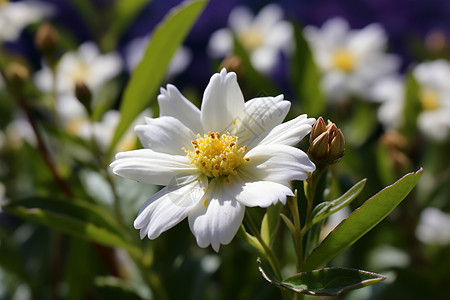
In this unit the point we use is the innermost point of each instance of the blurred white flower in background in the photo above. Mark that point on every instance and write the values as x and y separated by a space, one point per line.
350 60
390 92
434 94
264 36
434 227
15 16
134 52
89 66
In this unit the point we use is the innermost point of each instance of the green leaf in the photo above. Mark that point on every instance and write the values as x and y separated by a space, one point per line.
270 223
330 281
412 106
325 282
306 77
327 208
77 218
146 79
124 12
369 214
10 259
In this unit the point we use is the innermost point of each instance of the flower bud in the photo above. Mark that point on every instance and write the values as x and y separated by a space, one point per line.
16 75
84 95
327 144
47 41
232 63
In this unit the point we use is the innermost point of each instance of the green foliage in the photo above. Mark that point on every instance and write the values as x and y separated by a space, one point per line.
306 77
362 220
76 218
327 208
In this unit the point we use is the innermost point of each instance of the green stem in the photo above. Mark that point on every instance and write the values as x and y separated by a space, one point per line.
298 237
267 251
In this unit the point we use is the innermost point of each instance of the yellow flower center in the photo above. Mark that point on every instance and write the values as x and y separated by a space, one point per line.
251 38
343 60
217 155
429 100
79 72
75 125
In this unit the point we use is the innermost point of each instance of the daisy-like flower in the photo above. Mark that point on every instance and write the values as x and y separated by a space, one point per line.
434 94
215 161
86 65
14 16
264 36
350 61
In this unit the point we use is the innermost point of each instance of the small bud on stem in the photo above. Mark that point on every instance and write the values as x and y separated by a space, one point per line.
327 144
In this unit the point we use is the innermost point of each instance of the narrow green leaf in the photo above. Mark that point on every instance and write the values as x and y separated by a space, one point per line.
243 234
330 281
146 79
123 13
270 222
78 218
306 77
327 208
412 106
369 214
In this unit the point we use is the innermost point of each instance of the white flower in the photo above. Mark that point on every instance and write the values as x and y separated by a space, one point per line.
215 161
135 50
87 65
434 81
350 60
390 91
434 227
14 16
263 36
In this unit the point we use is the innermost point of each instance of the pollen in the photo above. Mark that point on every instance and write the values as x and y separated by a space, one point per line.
343 60
217 154
429 100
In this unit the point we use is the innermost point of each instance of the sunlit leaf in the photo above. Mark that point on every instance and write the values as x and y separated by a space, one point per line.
369 214
146 79
327 208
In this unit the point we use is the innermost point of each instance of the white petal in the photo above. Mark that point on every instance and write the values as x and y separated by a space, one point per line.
216 218
223 103
252 192
240 19
152 167
172 103
165 134
268 17
264 59
335 85
289 133
221 43
168 207
278 163
261 116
